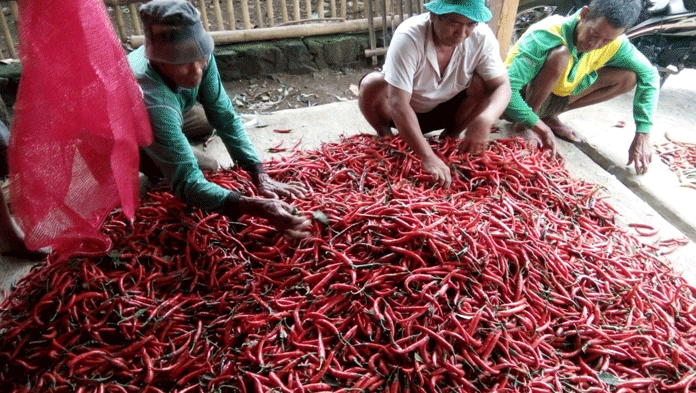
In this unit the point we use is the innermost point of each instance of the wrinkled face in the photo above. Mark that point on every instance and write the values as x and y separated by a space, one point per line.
451 29
187 75
594 34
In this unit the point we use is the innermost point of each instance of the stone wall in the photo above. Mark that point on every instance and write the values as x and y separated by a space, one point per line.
293 56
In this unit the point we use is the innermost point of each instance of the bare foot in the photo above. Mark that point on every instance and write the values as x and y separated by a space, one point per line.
561 130
528 135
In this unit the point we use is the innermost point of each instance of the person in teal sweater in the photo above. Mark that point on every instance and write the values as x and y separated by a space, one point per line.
176 69
563 63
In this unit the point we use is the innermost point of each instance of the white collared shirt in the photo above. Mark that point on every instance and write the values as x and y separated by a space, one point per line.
411 62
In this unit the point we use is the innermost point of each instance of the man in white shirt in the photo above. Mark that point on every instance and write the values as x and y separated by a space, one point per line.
442 70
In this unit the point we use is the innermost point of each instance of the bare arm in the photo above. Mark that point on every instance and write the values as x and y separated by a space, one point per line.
407 124
498 89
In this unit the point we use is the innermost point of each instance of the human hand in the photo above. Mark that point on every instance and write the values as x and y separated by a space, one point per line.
548 140
438 170
476 136
640 153
279 214
275 189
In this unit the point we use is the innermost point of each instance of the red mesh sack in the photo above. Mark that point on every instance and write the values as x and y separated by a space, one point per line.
79 118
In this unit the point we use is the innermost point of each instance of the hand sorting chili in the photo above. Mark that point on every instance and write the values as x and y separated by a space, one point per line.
515 279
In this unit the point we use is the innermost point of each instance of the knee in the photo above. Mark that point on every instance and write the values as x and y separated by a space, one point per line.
371 86
628 80
557 60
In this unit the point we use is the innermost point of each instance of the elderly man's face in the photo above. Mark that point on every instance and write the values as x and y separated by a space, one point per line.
594 34
187 75
451 29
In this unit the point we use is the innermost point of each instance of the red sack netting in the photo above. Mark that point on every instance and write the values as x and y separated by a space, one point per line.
79 119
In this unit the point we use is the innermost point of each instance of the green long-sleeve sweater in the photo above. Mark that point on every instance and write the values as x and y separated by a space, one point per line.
171 150
526 58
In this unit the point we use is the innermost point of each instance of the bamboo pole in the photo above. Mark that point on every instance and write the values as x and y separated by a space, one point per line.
15 10
384 23
8 37
313 20
401 9
115 2
119 22
136 19
344 9
308 8
230 15
333 8
284 11
296 9
271 14
356 7
282 32
371 27
259 13
204 15
246 21
15 14
218 15
320 9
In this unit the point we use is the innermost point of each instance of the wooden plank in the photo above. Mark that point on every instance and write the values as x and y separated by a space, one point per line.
503 22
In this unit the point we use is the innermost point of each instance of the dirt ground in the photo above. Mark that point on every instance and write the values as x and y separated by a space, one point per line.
284 91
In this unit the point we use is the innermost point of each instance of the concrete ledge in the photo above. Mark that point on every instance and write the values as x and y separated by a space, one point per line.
607 145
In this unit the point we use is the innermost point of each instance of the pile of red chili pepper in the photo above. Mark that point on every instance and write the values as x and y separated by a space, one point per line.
681 159
516 279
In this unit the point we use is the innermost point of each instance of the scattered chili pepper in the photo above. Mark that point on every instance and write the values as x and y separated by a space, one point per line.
516 279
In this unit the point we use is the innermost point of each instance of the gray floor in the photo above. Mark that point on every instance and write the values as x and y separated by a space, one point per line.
655 198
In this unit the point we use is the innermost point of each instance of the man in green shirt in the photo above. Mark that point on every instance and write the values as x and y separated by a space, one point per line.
561 64
176 69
